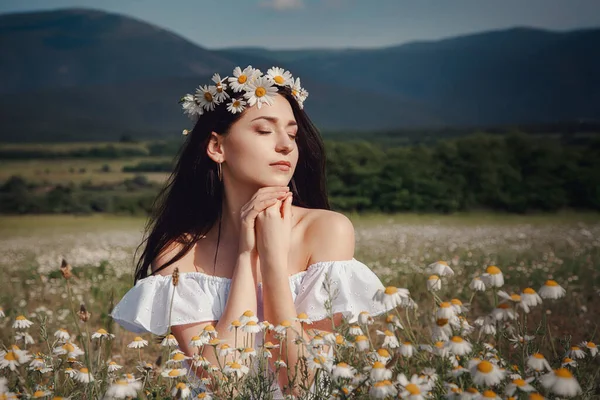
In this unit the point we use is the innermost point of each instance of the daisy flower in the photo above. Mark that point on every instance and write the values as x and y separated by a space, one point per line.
393 322
181 391
364 318
485 373
9 360
260 91
205 96
209 331
459 346
440 268
283 327
486 324
280 364
504 312
37 363
177 356
458 306
493 276
378 372
471 394
113 366
240 79
70 349
575 352
591 346
233 368
434 283
551 290
251 327
538 362
489 395
21 323
477 284
191 107
25 337
248 315
522 385
197 341
169 340
38 394
382 355
530 297
302 317
236 105
2 315
84 376
247 353
382 389
458 371
415 389
407 349
390 340
568 362
391 296
440 349
138 343
122 389
361 342
279 76
355 330
220 87
102 334
445 311
536 396
561 382
343 371
62 335
199 361
173 373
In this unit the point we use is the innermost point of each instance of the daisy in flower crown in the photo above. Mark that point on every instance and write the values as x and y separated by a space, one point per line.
243 226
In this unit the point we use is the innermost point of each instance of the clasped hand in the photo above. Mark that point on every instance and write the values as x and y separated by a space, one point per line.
267 226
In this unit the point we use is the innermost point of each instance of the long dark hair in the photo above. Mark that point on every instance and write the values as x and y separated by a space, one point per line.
190 203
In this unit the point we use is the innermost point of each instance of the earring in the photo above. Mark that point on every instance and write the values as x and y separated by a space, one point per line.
219 172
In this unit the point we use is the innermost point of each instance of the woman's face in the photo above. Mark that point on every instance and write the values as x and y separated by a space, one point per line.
259 140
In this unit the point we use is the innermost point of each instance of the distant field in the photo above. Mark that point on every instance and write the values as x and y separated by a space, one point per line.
76 170
58 147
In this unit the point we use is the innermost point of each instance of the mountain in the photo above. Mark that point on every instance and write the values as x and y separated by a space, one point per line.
90 75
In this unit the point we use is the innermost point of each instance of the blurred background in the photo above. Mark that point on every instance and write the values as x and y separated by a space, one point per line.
462 130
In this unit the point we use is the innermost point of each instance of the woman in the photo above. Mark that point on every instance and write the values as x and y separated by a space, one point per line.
246 220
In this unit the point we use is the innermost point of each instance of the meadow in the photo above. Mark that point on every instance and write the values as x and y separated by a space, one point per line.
529 250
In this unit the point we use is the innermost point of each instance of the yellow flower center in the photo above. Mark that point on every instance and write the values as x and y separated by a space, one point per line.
413 389
472 390
383 353
279 79
529 291
260 91
138 339
493 270
445 304
575 348
489 394
591 345
551 283
209 328
434 278
248 350
441 322
339 339
519 382
302 316
457 339
378 365
443 263
68 347
485 367
563 373
248 313
180 385
439 345
20 318
342 365
391 290
195 338
219 88
174 372
319 360
236 104
286 324
251 322
504 306
539 356
456 302
360 338
10 356
515 297
39 393
208 96
388 333
407 343
102 331
536 396
178 357
294 92
242 79
112 363
83 370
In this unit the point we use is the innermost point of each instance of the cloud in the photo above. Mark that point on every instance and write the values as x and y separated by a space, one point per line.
282 5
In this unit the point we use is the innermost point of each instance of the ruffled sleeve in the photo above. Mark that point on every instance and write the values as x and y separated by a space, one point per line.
145 307
355 283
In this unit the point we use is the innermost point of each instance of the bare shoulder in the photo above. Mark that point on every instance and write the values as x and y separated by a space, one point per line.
185 263
329 235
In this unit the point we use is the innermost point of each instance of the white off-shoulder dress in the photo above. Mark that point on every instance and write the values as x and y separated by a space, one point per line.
200 297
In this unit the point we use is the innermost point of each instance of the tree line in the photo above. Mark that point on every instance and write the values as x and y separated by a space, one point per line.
514 172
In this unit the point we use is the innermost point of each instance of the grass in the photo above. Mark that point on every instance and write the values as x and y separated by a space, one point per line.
528 249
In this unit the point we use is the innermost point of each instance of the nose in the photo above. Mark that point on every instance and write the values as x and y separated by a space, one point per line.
284 143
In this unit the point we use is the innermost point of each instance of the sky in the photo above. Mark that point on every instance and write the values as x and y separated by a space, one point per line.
294 24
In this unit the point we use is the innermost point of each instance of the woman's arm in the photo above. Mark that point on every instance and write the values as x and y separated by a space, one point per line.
330 237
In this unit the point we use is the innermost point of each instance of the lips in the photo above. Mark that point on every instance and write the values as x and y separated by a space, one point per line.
286 163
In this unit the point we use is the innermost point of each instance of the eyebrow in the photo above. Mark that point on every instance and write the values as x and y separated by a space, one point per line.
274 120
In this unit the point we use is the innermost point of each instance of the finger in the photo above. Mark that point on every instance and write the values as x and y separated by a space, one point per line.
287 207
263 197
249 215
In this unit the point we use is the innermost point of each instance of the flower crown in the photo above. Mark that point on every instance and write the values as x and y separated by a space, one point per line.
253 88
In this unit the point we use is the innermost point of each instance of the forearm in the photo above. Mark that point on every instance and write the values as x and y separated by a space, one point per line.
278 307
242 297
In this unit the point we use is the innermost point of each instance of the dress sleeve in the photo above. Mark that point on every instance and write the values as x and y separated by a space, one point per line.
354 282
147 306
